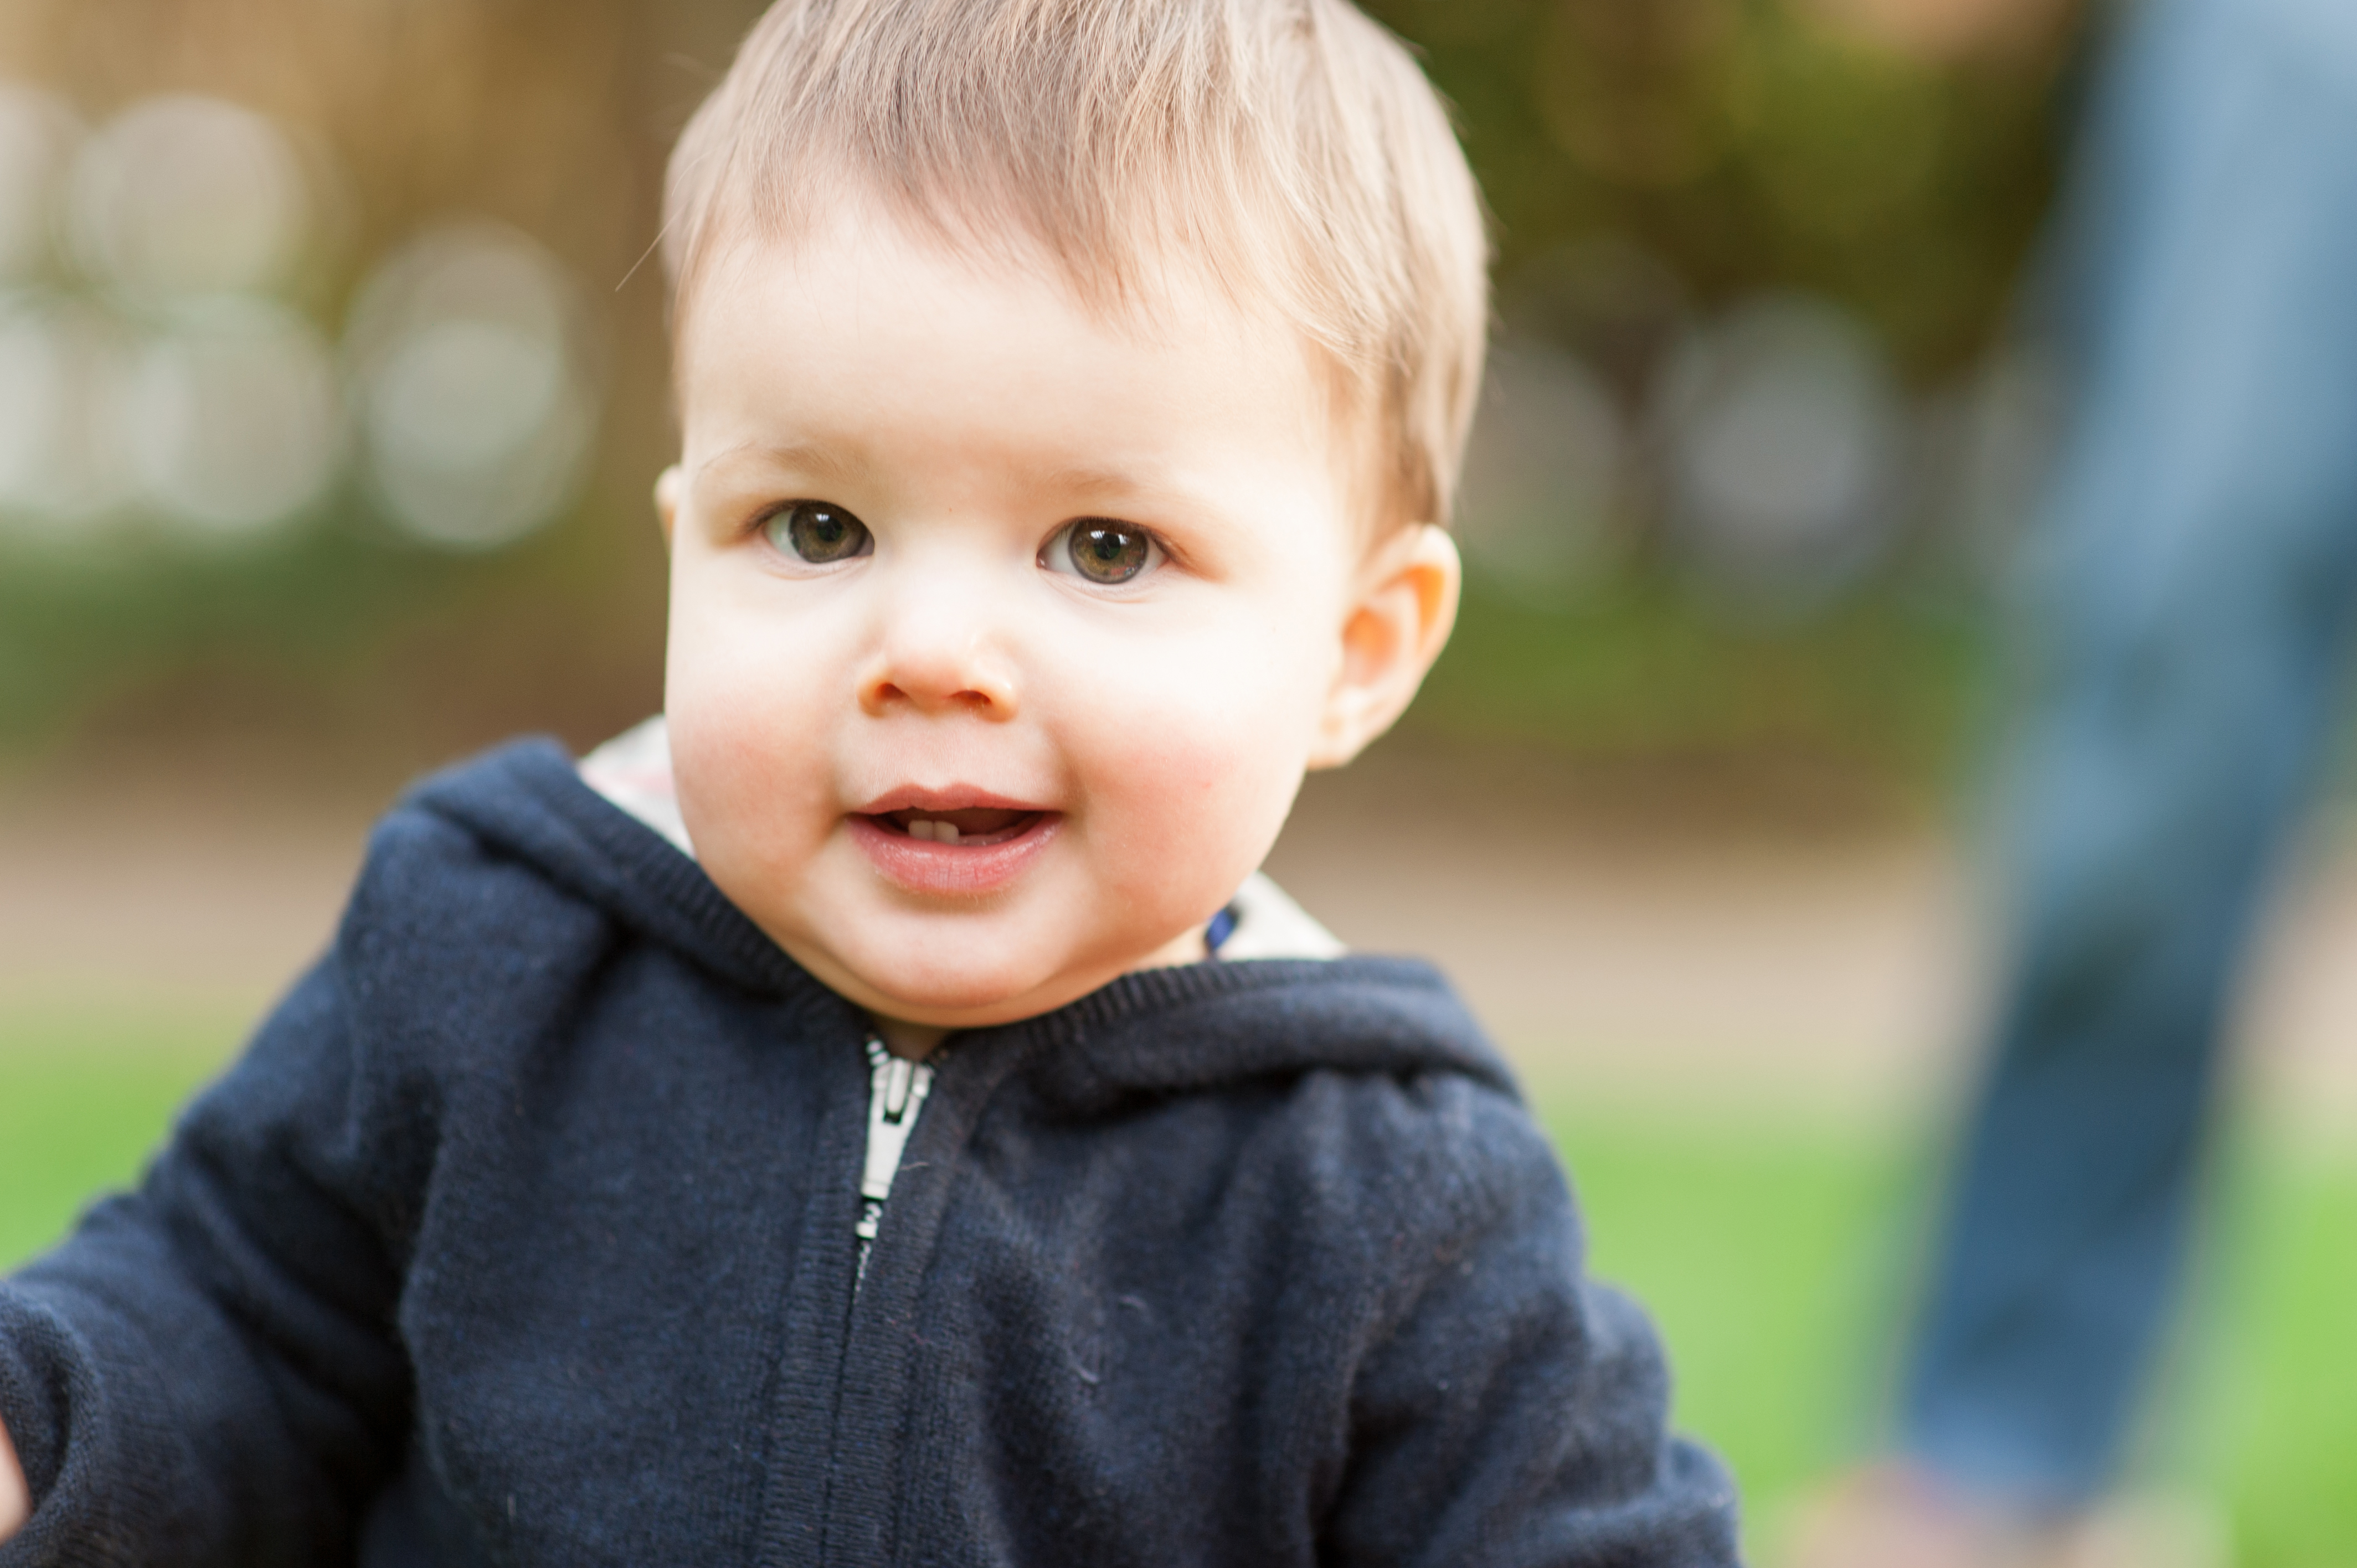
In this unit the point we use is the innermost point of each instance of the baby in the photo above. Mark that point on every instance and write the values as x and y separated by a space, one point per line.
858 1119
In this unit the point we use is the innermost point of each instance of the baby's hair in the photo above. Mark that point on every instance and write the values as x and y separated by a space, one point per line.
1290 150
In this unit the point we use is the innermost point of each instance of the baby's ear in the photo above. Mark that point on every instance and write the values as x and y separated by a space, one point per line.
669 487
1398 622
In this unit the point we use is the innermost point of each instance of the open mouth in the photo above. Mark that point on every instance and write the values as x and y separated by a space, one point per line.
936 850
975 828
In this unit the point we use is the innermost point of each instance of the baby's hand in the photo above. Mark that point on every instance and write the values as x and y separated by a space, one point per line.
16 1500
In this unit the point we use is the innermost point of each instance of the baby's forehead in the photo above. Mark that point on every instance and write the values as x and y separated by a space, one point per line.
1154 293
890 274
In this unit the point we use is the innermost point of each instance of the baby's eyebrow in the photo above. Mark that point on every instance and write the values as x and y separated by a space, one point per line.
822 460
1104 482
1087 476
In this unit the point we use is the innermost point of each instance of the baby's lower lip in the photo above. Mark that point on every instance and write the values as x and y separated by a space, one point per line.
969 868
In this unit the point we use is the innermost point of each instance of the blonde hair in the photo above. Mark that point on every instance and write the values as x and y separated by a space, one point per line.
1290 149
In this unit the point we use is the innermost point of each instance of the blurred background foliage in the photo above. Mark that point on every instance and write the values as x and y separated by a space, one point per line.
1754 439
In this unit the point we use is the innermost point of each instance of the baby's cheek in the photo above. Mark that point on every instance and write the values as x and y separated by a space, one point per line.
1204 787
751 783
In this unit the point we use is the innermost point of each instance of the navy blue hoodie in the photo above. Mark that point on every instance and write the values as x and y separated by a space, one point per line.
523 1234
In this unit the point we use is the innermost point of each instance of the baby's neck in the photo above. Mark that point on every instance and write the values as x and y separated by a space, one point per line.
914 1041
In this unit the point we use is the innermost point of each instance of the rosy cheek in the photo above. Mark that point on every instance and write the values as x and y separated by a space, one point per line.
1197 786
752 777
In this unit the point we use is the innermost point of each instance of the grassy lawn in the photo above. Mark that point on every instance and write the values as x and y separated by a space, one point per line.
84 1094
1767 1253
1771 1256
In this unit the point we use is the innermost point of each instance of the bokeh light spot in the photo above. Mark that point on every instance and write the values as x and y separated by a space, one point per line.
467 358
37 134
62 372
185 196
230 419
1543 472
1785 429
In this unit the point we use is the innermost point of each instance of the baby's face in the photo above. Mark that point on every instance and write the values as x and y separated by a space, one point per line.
1001 634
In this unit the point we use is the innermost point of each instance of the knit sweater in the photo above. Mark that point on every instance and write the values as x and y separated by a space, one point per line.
524 1233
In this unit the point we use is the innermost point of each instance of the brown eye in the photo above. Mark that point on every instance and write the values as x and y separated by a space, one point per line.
818 532
1105 552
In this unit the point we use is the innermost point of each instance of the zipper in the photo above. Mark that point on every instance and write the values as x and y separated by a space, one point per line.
896 1087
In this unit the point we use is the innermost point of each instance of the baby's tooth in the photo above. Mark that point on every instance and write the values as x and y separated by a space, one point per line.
920 829
947 833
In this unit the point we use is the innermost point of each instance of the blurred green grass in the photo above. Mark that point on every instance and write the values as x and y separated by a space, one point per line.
1766 1249
1772 1254
85 1093
1762 1251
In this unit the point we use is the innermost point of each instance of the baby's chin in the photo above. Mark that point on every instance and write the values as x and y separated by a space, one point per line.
949 984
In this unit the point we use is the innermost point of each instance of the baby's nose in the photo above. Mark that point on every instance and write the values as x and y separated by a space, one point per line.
940 652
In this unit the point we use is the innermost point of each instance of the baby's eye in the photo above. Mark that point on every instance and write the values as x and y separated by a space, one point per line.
1102 551
818 532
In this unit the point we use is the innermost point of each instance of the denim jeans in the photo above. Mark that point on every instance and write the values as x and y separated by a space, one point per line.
2189 588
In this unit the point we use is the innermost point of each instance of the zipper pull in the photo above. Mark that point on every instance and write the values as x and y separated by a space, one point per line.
896 1087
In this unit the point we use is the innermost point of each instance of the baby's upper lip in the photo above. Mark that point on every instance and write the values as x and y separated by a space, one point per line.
951 798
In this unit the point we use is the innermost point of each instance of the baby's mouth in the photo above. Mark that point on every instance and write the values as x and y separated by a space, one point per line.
928 847
975 828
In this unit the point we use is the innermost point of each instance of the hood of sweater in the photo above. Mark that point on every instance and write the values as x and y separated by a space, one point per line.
1151 1032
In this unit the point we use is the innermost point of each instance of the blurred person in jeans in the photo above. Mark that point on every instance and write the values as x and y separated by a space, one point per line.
2192 579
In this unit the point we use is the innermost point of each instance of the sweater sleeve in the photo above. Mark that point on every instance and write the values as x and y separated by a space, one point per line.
206 1372
1517 1411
